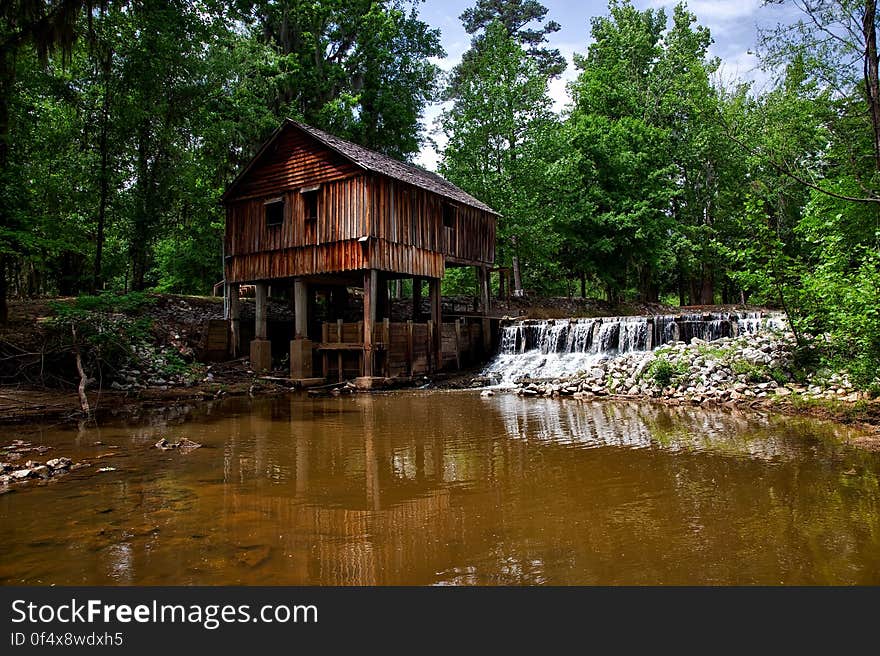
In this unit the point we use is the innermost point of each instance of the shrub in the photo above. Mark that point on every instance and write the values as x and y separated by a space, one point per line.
663 372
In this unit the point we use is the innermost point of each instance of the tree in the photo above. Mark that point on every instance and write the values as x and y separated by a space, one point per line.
360 68
618 213
496 128
836 43
515 16
44 26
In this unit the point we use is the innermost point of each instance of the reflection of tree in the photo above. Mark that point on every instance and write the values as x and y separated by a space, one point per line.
458 489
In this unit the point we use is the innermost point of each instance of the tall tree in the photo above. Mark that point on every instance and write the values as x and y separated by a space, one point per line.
495 128
516 16
358 68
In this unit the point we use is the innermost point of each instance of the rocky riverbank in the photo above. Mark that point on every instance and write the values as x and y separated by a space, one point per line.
758 369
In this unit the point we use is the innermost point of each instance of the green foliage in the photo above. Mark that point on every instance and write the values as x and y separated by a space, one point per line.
663 372
124 145
499 128
758 373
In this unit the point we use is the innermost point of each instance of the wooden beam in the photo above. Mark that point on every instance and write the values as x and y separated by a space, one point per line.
483 288
325 359
300 308
386 344
339 359
370 284
260 311
437 319
410 367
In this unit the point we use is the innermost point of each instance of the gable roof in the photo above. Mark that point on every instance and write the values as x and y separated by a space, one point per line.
370 160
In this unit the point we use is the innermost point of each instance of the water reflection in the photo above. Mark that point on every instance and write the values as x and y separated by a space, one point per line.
452 489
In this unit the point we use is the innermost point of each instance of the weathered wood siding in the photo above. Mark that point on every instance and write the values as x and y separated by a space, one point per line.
293 161
406 214
403 223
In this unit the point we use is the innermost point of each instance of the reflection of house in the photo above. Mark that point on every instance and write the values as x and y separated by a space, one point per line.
318 214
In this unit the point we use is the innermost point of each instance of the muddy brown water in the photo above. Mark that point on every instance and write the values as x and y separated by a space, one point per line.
448 488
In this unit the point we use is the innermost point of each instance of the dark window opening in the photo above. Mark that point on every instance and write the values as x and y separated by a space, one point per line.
310 204
448 215
274 212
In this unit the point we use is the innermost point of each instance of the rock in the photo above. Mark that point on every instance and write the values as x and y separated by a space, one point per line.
21 474
487 393
106 469
184 444
783 391
59 463
42 471
5 479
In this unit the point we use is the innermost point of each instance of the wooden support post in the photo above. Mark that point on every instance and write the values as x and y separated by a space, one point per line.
260 310
261 348
300 309
429 346
386 343
370 284
501 284
339 359
410 356
325 357
300 358
457 343
417 299
234 309
437 318
485 298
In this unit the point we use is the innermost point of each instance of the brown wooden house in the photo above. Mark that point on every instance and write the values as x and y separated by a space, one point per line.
316 213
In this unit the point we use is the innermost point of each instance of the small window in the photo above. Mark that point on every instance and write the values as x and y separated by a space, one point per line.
448 215
310 203
274 209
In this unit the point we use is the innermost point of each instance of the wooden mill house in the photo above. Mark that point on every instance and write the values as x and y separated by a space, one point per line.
315 215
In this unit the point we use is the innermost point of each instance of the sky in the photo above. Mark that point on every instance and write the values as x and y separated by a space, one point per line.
732 23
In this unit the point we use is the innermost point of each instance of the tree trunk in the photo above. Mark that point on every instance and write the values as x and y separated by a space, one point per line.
707 287
872 83
648 292
517 278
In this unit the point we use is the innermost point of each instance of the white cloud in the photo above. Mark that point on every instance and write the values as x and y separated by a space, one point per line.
714 11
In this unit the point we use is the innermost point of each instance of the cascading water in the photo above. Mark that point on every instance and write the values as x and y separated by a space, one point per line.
563 347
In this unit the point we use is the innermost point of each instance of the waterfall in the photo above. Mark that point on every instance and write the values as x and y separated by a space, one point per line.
562 347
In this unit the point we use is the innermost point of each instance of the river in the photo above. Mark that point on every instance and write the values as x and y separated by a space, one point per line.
448 488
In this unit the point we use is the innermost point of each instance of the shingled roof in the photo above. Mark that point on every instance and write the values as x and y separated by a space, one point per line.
370 160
